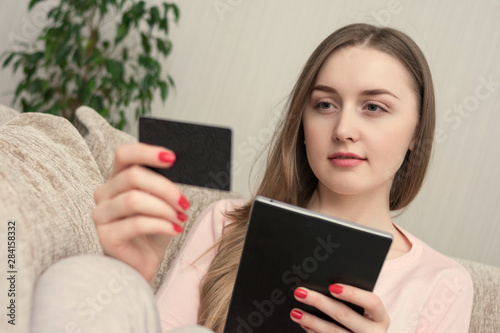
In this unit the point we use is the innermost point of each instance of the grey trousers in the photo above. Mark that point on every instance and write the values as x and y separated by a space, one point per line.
96 294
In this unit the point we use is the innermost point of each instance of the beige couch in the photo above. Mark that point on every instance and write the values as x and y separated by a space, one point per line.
49 171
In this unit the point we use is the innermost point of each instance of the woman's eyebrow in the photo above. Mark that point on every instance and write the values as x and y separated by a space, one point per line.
324 88
367 92
375 92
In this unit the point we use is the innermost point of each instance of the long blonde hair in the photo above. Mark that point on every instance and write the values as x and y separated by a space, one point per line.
288 176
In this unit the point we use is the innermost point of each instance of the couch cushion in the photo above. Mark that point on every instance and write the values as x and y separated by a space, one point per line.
47 180
7 114
102 139
486 308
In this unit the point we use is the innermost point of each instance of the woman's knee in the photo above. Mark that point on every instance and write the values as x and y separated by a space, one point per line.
87 290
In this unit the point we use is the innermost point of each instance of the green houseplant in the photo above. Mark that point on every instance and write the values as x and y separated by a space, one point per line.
102 53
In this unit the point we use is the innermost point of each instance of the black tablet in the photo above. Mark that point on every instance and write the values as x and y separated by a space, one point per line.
203 153
287 247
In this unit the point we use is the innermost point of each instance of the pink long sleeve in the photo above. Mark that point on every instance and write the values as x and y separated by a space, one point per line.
425 291
178 298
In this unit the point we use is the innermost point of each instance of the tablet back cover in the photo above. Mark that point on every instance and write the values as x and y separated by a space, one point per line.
287 247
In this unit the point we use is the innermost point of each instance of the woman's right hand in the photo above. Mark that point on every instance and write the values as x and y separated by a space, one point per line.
137 210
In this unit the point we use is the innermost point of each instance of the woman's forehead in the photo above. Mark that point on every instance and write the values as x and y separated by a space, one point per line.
364 68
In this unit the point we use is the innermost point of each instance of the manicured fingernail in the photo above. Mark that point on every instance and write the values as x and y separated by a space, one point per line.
300 293
183 202
297 314
166 157
178 229
335 288
181 216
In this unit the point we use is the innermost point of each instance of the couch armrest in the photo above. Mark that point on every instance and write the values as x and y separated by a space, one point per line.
486 308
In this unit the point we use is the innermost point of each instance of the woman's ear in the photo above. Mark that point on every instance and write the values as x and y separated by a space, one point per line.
412 144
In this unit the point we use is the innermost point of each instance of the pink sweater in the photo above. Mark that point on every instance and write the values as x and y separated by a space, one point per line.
423 291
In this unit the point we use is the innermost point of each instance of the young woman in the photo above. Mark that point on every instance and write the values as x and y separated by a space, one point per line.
355 143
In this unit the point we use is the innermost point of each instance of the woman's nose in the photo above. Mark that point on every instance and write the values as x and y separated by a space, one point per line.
346 126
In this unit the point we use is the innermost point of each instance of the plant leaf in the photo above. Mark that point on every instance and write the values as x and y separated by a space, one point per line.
145 43
154 15
171 81
162 47
121 32
62 54
33 3
96 103
137 11
163 25
79 82
19 89
37 56
115 68
103 7
163 90
35 86
176 11
150 81
148 63
125 54
8 60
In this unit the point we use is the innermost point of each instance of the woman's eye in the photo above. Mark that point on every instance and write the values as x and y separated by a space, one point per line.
374 108
324 105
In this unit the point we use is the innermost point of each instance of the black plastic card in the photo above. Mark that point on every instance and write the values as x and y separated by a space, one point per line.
203 153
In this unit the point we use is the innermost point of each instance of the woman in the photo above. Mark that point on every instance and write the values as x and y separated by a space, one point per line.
355 144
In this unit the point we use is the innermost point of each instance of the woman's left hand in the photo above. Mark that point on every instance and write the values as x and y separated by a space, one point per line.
374 320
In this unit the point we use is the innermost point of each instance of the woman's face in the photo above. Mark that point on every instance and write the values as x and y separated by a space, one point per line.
359 121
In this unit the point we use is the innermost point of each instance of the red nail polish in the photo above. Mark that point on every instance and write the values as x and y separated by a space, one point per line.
184 203
181 216
178 229
300 293
335 288
297 314
166 157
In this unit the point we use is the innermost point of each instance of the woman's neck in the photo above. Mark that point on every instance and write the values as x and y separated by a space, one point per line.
367 209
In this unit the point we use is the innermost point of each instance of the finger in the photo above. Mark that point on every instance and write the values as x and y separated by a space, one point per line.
374 308
143 179
337 310
120 233
307 329
311 323
133 203
143 154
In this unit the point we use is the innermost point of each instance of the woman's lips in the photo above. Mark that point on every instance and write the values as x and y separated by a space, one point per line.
346 159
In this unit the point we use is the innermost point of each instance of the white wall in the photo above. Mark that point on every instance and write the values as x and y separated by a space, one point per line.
235 61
